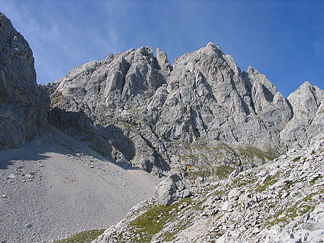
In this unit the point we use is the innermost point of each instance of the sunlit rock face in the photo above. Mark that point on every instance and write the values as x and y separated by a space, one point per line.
161 109
139 110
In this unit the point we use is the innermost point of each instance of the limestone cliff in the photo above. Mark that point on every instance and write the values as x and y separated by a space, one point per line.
163 111
23 104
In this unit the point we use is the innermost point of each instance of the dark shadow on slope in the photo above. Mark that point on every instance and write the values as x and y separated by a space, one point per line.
106 141
53 141
26 151
101 139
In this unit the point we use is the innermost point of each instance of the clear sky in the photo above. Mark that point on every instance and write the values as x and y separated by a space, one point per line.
283 39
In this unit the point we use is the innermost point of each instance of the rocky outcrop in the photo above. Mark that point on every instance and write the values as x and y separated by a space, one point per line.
209 98
115 93
202 119
23 104
307 103
163 110
282 201
171 189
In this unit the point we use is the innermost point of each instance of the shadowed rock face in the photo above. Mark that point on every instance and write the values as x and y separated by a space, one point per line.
23 112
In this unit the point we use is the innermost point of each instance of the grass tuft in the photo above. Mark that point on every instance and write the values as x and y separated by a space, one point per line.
83 237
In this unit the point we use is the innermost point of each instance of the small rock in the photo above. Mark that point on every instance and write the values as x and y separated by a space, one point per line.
11 176
264 179
30 176
306 165
28 226
284 195
226 206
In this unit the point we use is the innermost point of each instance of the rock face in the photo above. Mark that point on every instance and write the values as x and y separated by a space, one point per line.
23 105
140 111
308 107
171 189
114 93
282 201
164 110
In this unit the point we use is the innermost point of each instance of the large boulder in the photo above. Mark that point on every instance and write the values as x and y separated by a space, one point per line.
171 189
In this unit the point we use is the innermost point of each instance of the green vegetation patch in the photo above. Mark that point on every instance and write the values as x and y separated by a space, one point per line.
224 147
251 152
221 172
189 157
169 236
283 217
198 173
312 182
241 182
303 206
269 182
296 159
153 220
83 237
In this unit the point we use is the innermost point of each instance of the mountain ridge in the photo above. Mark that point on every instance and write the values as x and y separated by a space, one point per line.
200 122
155 106
185 102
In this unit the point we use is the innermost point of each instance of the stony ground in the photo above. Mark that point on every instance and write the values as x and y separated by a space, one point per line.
282 201
49 189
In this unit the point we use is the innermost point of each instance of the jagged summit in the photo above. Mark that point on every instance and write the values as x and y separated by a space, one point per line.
159 109
204 96
307 103
18 76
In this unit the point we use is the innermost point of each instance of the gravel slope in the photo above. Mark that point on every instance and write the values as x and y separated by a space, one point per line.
49 189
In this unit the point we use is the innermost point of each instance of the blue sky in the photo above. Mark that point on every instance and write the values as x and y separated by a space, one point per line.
282 39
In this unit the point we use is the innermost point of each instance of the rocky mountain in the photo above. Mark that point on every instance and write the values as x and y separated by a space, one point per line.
137 109
209 128
23 104
152 115
282 201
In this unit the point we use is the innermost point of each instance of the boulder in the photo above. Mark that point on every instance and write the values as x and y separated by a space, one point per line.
171 189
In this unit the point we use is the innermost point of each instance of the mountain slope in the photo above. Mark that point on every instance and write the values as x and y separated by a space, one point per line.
282 201
54 186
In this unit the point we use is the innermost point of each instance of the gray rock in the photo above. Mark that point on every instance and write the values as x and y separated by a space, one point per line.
279 210
162 59
138 110
163 110
307 103
170 190
23 104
